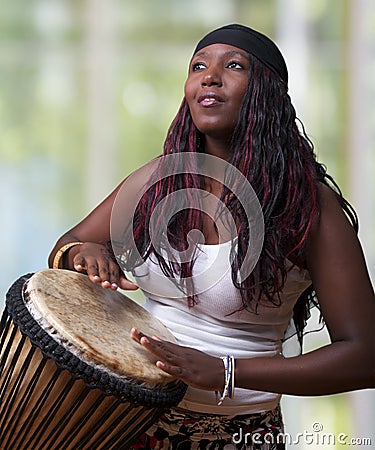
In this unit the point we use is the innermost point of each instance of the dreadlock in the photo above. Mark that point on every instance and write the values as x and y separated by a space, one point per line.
271 149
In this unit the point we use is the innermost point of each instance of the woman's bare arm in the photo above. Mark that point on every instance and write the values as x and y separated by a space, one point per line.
93 256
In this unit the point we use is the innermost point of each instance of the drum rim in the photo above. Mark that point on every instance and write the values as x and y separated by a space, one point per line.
162 396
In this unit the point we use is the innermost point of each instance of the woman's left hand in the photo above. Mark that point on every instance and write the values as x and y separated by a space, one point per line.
193 367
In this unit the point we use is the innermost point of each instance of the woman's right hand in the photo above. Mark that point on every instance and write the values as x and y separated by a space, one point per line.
100 265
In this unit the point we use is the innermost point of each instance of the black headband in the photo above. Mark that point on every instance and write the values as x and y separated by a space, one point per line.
253 42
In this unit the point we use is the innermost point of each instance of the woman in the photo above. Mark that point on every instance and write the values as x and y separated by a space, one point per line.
236 111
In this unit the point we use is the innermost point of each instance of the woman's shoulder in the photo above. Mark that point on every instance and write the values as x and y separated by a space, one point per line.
137 182
333 253
330 215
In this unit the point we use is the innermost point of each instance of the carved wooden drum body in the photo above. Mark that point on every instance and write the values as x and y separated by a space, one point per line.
70 376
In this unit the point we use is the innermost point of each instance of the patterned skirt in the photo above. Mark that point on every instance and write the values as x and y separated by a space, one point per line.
182 430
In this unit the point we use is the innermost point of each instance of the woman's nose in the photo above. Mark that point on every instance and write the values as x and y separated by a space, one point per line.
211 76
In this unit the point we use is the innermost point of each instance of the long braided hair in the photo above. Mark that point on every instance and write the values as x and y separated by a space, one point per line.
271 149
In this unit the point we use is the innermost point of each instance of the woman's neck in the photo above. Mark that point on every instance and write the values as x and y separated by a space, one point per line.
217 147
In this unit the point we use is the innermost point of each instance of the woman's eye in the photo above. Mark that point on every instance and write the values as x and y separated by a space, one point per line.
235 65
197 66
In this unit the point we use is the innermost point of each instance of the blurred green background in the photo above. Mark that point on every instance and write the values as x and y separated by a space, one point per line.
89 88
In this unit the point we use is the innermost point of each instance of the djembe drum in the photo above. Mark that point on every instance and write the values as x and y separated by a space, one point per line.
70 376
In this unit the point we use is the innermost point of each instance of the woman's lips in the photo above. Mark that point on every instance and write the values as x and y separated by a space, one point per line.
209 99
208 102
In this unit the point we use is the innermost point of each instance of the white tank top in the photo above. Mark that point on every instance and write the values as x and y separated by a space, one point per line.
217 325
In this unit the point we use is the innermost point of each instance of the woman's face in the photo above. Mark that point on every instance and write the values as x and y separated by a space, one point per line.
215 87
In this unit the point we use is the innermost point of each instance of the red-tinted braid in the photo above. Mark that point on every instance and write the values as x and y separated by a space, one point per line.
279 162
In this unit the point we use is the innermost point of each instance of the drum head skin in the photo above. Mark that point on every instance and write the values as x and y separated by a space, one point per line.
94 324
